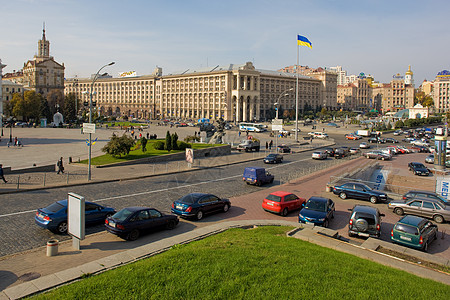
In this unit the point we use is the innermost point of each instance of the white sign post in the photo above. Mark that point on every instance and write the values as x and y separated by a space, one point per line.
88 127
76 218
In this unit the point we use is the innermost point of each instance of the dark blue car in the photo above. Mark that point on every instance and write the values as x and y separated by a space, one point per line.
196 205
317 211
130 222
54 216
361 191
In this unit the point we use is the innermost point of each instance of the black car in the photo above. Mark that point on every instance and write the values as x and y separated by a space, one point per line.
376 140
391 140
273 158
356 190
424 195
418 169
365 221
195 205
284 149
130 222
330 151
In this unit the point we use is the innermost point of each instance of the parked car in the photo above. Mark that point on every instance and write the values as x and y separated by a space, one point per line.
414 232
428 208
391 140
197 205
273 158
398 132
257 176
424 195
429 159
418 169
282 202
284 148
420 148
320 154
356 190
365 221
364 145
376 140
54 216
354 151
404 149
130 222
317 211
378 154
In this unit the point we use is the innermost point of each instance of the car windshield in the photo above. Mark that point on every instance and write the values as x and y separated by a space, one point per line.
316 205
55 207
274 198
188 199
271 155
122 215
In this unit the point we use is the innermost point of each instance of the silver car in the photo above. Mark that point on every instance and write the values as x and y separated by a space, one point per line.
322 154
433 209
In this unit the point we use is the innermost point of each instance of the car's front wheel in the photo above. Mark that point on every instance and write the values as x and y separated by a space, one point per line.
171 224
62 228
343 195
373 199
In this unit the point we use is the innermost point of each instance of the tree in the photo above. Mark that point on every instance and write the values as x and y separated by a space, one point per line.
32 105
175 141
17 105
119 145
69 111
144 144
423 99
168 145
45 110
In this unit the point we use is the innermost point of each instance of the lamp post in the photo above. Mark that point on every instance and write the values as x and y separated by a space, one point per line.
11 124
90 114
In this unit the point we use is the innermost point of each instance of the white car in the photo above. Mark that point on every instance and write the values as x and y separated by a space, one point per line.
321 154
318 135
364 145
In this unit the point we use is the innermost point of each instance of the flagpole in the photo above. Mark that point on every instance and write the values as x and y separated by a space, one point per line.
296 97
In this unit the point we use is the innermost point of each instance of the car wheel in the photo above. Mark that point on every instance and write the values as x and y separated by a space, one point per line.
285 212
438 219
62 228
373 199
199 215
325 223
398 211
247 182
226 207
171 224
343 195
133 235
350 234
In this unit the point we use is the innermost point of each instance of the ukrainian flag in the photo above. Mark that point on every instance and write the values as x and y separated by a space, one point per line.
303 41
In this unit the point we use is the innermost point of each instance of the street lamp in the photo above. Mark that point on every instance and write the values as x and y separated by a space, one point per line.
284 93
11 124
90 113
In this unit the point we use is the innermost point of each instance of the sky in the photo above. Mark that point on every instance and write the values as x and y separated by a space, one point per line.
380 38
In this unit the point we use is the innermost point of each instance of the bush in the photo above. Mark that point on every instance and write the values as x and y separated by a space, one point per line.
182 145
175 141
191 138
119 145
159 145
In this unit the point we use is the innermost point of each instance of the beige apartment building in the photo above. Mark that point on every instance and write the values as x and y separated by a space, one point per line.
43 74
355 95
441 91
395 96
234 93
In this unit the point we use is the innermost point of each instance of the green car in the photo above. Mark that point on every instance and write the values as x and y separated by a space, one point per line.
414 232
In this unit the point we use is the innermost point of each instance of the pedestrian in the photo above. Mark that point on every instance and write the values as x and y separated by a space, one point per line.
1 174
148 135
267 145
239 134
60 166
270 144
310 139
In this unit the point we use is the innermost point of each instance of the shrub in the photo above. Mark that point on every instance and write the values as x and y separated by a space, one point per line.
182 145
191 138
168 145
119 145
159 145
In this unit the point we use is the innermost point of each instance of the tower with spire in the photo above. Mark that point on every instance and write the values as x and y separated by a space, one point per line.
44 46
409 77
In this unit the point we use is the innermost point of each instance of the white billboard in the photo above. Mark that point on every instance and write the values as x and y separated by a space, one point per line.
128 74
76 215
443 186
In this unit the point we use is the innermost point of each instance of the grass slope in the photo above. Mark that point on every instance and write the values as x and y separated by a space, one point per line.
252 264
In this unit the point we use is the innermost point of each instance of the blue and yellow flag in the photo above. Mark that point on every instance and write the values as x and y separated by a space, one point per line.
302 41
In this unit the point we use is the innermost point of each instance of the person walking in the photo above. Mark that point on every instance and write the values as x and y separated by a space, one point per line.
267 145
1 174
270 144
60 166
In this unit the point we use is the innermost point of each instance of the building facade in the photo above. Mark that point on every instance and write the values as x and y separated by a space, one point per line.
234 93
395 96
355 95
441 91
43 74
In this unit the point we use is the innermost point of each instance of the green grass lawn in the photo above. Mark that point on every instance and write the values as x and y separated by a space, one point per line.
257 263
137 153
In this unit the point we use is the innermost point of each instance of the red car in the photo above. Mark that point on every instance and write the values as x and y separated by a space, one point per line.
351 136
282 203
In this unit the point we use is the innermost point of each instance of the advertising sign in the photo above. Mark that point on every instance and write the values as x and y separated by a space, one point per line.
190 155
88 127
128 74
76 215
443 186
441 150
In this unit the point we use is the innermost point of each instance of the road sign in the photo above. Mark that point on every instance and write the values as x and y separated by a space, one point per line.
88 127
277 124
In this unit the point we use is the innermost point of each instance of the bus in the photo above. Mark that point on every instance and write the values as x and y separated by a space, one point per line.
252 127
